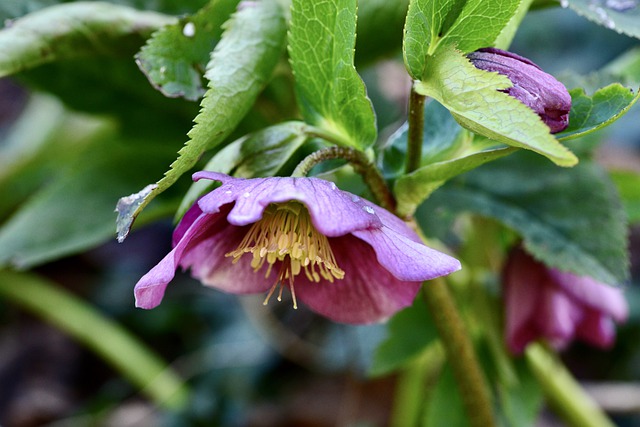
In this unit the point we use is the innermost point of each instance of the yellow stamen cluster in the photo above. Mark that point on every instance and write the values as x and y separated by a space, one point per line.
285 233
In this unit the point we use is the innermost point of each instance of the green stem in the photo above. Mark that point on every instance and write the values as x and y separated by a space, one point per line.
460 354
108 339
563 392
361 164
416 129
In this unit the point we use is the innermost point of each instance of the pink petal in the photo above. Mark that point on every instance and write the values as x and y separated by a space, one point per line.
368 293
208 263
523 280
559 316
597 329
592 293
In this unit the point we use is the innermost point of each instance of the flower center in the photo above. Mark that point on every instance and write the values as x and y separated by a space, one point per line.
285 233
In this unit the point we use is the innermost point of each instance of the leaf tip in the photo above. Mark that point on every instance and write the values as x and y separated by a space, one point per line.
128 208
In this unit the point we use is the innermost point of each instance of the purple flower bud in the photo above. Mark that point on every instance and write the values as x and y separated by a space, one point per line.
546 303
533 87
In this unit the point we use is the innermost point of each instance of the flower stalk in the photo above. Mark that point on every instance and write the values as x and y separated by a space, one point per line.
416 128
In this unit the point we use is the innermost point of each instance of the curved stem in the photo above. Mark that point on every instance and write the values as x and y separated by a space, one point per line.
562 391
361 164
416 129
460 354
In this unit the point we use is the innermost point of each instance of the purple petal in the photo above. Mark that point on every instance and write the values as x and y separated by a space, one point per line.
592 293
368 293
406 259
558 316
333 212
150 289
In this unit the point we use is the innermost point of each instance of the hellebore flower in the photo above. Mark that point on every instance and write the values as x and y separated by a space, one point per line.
345 257
546 303
533 87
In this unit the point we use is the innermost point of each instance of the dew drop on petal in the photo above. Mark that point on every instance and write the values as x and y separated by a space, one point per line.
355 198
368 209
189 29
246 195
333 185
228 192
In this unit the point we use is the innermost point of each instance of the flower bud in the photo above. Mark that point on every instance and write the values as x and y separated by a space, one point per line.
533 87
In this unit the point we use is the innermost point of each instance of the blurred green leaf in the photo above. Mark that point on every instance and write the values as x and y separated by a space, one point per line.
473 96
11 9
72 30
466 24
175 57
259 154
570 219
112 342
330 92
444 406
75 211
628 185
591 113
414 188
117 88
622 16
521 402
410 332
240 67
379 30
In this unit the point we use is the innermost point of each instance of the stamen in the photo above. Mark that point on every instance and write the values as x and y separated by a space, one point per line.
285 234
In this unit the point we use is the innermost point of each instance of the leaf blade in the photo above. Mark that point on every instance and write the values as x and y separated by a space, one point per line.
240 66
330 92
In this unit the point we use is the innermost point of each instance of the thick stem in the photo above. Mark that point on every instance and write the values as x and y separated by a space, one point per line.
562 391
416 128
460 354
361 164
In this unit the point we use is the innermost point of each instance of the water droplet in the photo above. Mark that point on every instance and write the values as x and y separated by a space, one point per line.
228 192
564 3
621 5
163 70
246 195
355 198
189 29
333 185
369 209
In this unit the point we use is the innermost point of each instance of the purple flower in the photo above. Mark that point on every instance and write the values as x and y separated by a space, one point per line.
346 258
536 89
546 303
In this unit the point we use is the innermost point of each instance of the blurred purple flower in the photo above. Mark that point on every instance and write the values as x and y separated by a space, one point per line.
536 89
546 303
351 260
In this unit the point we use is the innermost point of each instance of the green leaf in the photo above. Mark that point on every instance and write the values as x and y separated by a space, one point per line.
175 57
240 67
414 188
75 211
589 114
618 15
628 184
473 97
570 219
109 340
521 401
504 39
260 154
330 92
74 30
410 332
466 24
445 406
